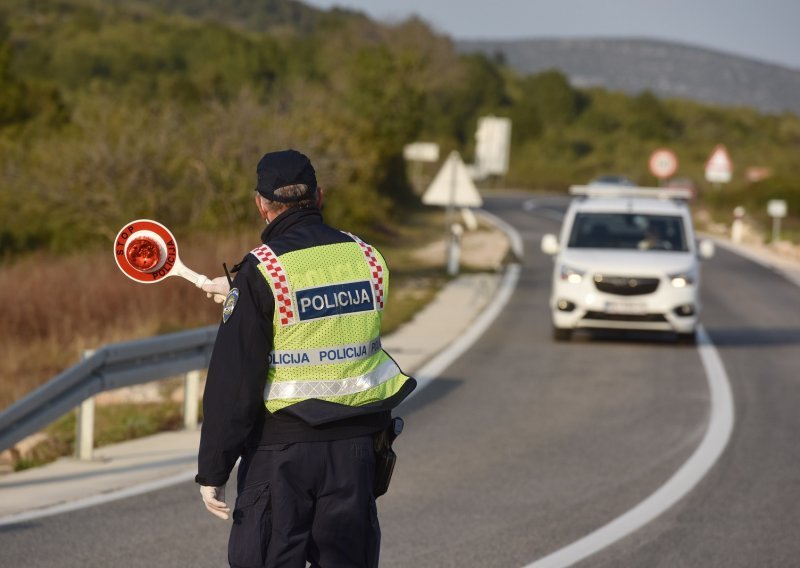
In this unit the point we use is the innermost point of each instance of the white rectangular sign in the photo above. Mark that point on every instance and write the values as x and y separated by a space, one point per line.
776 208
493 142
421 152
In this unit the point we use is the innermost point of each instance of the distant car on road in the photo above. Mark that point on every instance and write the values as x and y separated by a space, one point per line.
612 180
626 258
682 183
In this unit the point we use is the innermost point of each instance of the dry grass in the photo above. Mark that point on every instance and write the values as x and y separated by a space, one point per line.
58 306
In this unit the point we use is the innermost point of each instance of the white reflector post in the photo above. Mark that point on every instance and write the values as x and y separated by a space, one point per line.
191 388
84 424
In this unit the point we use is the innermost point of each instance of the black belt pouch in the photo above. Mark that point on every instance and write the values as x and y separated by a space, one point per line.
385 457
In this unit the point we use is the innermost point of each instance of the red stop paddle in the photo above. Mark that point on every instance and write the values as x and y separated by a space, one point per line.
147 252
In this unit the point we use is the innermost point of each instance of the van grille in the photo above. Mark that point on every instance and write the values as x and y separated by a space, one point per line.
602 316
625 285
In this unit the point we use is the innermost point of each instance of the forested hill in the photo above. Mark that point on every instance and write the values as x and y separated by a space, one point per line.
257 15
667 69
113 109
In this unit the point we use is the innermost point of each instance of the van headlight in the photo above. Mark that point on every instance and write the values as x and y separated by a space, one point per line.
682 279
572 275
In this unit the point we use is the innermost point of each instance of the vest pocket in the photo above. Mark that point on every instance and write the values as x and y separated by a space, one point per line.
252 525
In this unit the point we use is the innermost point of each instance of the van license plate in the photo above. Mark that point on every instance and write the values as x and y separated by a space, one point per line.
629 308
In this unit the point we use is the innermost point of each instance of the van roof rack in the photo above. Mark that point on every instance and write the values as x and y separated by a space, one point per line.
630 191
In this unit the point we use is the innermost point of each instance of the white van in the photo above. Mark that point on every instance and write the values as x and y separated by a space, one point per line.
626 258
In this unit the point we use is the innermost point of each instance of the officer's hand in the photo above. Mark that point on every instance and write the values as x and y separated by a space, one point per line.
214 498
217 288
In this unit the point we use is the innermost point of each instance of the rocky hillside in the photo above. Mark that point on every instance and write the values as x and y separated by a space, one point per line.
667 69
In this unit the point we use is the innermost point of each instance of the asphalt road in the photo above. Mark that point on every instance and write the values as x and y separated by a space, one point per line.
525 445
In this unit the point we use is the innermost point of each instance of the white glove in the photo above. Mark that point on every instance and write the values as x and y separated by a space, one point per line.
214 498
217 288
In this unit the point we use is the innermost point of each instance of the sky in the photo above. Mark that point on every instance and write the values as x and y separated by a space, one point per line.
766 30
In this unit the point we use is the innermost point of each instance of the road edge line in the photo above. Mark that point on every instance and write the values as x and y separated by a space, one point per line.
100 499
776 267
433 368
715 440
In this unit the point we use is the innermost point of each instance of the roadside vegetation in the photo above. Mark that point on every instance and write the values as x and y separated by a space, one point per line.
116 110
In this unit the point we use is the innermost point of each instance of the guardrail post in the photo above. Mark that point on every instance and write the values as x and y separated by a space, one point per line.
191 387
84 425
84 435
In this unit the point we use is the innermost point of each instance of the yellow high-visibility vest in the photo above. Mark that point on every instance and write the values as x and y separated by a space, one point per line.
326 327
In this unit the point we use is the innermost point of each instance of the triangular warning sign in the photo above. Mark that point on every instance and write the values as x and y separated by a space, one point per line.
719 166
720 159
453 185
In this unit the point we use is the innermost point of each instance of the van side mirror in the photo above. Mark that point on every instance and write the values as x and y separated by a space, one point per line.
706 248
550 244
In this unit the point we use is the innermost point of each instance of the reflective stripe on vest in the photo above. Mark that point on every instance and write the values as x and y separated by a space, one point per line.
339 387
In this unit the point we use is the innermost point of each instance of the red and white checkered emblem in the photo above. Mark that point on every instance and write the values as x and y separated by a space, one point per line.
376 270
283 295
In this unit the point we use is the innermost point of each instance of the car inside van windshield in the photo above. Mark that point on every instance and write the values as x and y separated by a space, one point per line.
630 231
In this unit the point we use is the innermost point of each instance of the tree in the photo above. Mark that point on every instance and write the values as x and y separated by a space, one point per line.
14 105
650 119
551 94
478 88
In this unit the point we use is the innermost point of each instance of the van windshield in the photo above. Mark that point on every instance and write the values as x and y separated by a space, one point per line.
630 231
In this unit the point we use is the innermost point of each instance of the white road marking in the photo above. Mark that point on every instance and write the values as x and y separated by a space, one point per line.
99 499
433 368
512 234
720 426
787 269
531 206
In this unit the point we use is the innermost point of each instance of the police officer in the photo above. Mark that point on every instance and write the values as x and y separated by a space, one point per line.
298 384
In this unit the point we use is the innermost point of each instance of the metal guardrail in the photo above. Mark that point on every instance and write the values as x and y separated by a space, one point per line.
112 366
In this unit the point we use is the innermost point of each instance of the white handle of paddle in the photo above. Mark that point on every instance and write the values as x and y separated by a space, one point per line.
181 270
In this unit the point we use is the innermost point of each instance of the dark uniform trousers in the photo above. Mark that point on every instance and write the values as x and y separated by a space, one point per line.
306 501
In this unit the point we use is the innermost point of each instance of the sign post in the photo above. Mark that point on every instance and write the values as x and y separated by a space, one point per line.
776 208
453 187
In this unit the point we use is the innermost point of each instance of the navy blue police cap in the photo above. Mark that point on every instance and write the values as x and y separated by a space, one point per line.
287 167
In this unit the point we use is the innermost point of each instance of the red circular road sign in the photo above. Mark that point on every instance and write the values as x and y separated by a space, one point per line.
145 251
663 163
